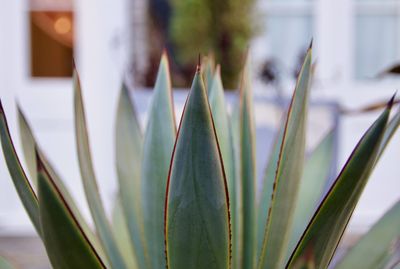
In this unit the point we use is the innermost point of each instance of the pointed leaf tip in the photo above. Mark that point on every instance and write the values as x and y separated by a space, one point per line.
311 44
391 101
39 163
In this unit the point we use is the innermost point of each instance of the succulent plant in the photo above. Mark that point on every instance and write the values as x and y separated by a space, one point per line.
187 197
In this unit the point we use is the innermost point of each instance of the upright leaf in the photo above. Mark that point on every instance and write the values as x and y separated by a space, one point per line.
391 128
158 145
247 162
29 144
315 176
17 173
237 238
197 230
376 245
267 188
90 185
320 239
128 141
4 264
225 141
288 174
121 232
208 63
65 242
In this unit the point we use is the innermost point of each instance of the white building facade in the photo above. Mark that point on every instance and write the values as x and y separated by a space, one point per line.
343 66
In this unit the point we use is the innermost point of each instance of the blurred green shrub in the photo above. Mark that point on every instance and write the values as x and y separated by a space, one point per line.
223 28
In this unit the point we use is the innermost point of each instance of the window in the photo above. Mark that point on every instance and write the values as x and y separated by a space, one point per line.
288 32
355 39
51 38
377 45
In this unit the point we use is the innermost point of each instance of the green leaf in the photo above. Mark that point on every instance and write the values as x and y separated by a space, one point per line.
267 188
288 175
157 150
128 141
120 229
225 142
4 264
29 144
247 162
103 227
391 128
20 180
319 241
237 239
65 242
315 176
197 229
208 63
374 246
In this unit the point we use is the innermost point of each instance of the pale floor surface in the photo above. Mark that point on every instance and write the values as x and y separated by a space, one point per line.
24 252
29 252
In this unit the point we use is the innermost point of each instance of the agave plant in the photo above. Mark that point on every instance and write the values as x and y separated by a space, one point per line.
187 197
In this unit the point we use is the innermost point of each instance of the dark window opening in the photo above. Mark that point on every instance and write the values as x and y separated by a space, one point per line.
52 38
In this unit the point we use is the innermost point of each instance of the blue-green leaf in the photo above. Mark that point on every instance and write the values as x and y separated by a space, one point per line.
103 227
315 176
319 241
120 229
375 246
128 146
4 264
157 150
288 174
65 242
29 144
267 188
225 141
247 162
197 230
17 173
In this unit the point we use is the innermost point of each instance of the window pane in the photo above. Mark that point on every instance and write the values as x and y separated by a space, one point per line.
288 38
51 42
376 44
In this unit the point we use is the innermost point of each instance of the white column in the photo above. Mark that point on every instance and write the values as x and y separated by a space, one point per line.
12 216
334 32
98 23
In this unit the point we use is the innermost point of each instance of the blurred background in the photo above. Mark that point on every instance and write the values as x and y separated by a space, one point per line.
357 52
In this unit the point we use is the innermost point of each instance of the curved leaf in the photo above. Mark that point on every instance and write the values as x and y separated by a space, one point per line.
224 134
197 231
120 229
319 241
391 128
315 176
208 64
128 142
103 227
65 242
20 180
237 238
4 264
247 162
288 174
29 144
157 150
374 246
267 188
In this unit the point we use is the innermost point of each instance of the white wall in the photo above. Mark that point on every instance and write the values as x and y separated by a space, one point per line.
48 105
